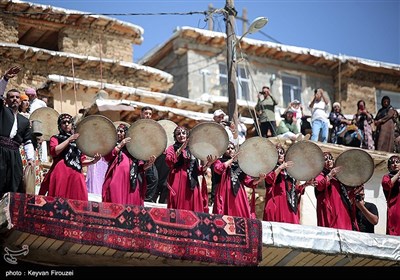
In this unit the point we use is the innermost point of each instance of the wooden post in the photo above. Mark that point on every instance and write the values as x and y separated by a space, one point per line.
231 64
244 20
210 20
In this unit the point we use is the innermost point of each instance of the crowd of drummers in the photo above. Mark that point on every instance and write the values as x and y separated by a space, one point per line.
178 179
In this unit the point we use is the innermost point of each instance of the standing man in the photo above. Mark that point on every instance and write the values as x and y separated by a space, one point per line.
151 172
14 131
319 116
34 101
265 109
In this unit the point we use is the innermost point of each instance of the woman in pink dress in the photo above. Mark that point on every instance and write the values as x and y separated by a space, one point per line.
65 178
231 196
185 191
336 206
282 198
391 190
124 181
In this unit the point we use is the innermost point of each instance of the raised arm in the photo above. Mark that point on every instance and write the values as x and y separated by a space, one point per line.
9 74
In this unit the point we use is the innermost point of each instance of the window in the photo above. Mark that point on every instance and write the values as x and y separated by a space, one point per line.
291 89
223 79
394 98
243 82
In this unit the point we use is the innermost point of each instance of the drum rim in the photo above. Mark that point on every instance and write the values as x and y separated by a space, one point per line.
130 146
171 137
221 150
106 121
370 160
297 144
48 129
249 142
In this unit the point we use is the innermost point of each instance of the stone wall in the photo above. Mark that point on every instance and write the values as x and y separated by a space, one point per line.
89 42
355 92
8 27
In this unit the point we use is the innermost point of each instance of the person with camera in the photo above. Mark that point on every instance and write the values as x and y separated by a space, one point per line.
364 121
231 130
366 213
265 109
319 116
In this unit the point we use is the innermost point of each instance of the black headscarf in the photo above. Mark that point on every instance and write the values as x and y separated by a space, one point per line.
71 154
192 170
291 193
124 127
392 172
237 174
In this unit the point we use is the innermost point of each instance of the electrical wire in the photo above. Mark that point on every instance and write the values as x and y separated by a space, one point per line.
108 14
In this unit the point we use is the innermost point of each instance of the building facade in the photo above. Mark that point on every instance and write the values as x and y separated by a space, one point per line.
192 55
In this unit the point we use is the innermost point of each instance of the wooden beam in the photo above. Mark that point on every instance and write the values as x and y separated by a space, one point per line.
36 56
35 23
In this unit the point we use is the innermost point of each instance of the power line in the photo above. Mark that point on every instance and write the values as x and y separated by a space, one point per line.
110 14
205 13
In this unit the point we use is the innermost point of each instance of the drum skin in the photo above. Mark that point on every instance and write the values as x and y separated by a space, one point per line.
148 138
97 134
257 155
357 167
169 127
208 138
308 159
49 117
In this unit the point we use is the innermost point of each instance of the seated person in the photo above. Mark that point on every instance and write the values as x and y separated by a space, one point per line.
288 129
297 109
339 123
350 135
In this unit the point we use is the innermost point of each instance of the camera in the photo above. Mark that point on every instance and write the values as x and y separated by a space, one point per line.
226 123
359 197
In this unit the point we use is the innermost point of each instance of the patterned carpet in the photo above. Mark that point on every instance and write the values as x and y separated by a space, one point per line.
170 233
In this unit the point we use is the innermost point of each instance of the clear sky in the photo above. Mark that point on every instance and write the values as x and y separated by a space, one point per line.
361 28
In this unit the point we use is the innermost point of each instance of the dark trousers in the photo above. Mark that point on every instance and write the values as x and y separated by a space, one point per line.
162 190
268 125
152 182
11 171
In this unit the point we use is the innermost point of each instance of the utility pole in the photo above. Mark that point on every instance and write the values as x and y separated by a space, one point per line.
231 64
210 21
244 20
